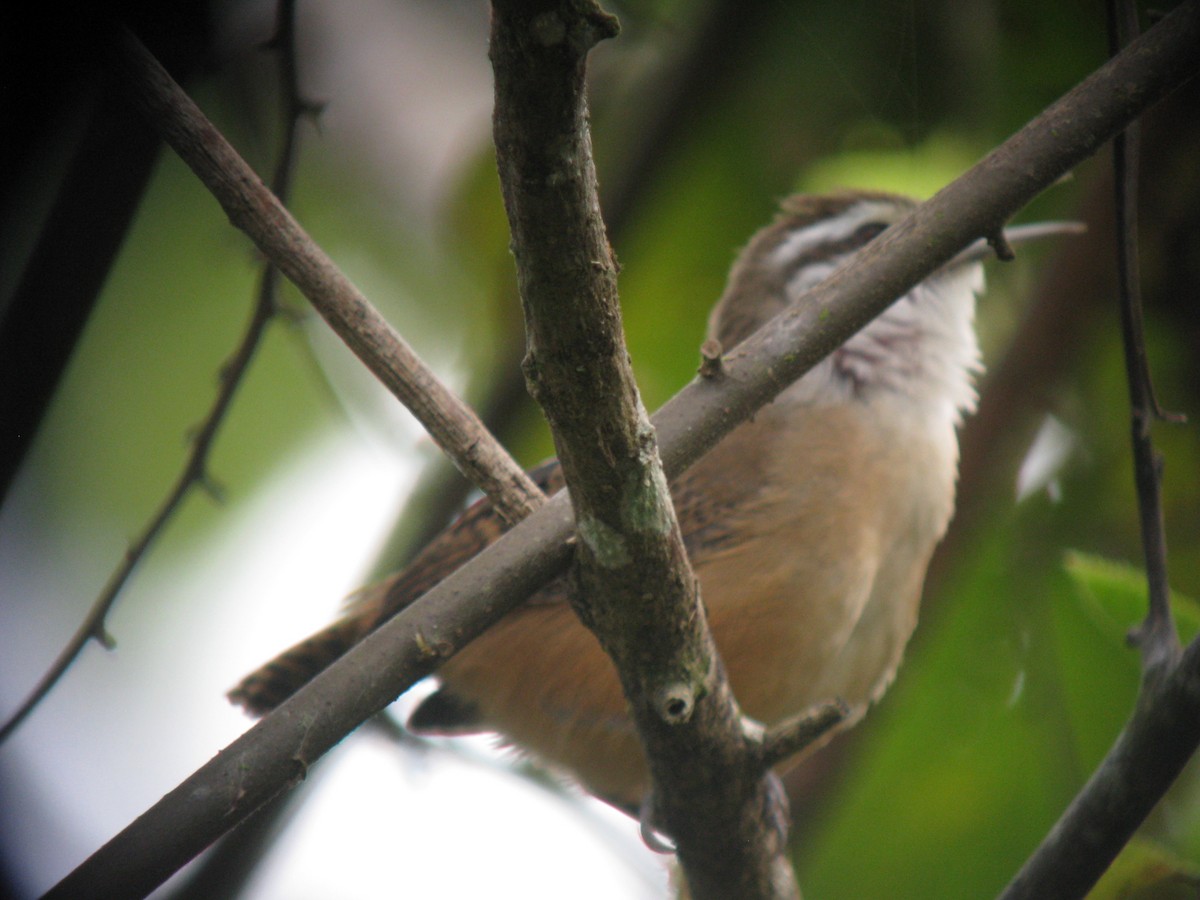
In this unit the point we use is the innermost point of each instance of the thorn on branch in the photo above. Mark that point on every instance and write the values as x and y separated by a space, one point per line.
711 365
213 488
793 735
104 637
302 765
1000 246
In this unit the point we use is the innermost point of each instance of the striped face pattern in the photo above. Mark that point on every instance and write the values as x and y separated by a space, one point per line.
921 350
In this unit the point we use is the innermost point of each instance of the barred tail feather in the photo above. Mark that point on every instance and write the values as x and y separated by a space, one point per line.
264 689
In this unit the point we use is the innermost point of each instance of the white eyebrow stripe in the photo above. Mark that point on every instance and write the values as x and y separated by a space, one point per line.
831 230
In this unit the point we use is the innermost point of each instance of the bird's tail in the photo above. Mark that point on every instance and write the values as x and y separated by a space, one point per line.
268 686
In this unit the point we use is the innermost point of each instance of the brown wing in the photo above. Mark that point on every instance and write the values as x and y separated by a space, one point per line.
264 689
267 687
540 673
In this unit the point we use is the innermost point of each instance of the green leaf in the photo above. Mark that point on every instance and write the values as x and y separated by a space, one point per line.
1146 870
1114 595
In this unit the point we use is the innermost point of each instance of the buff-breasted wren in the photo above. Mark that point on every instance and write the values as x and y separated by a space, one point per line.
810 526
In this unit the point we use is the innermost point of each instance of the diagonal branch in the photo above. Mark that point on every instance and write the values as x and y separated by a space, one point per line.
1159 739
276 752
256 211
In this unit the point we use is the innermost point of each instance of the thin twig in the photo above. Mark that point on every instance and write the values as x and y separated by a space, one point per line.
231 376
1156 637
276 751
226 868
785 740
1164 729
256 211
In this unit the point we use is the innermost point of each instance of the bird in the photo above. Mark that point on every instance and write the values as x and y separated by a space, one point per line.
810 526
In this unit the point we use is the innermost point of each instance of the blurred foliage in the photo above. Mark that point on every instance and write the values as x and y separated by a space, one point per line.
1147 871
145 370
1018 680
1114 595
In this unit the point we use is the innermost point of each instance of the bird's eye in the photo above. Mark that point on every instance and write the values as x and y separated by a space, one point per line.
869 231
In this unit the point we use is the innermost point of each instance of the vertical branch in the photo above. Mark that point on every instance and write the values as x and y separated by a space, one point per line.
1163 733
1156 636
637 590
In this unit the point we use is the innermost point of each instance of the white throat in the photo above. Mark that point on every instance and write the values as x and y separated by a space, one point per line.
922 351
919 357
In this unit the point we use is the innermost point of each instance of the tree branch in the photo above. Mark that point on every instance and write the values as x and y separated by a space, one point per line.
277 750
1164 730
638 593
195 468
252 208
1156 637
1151 751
